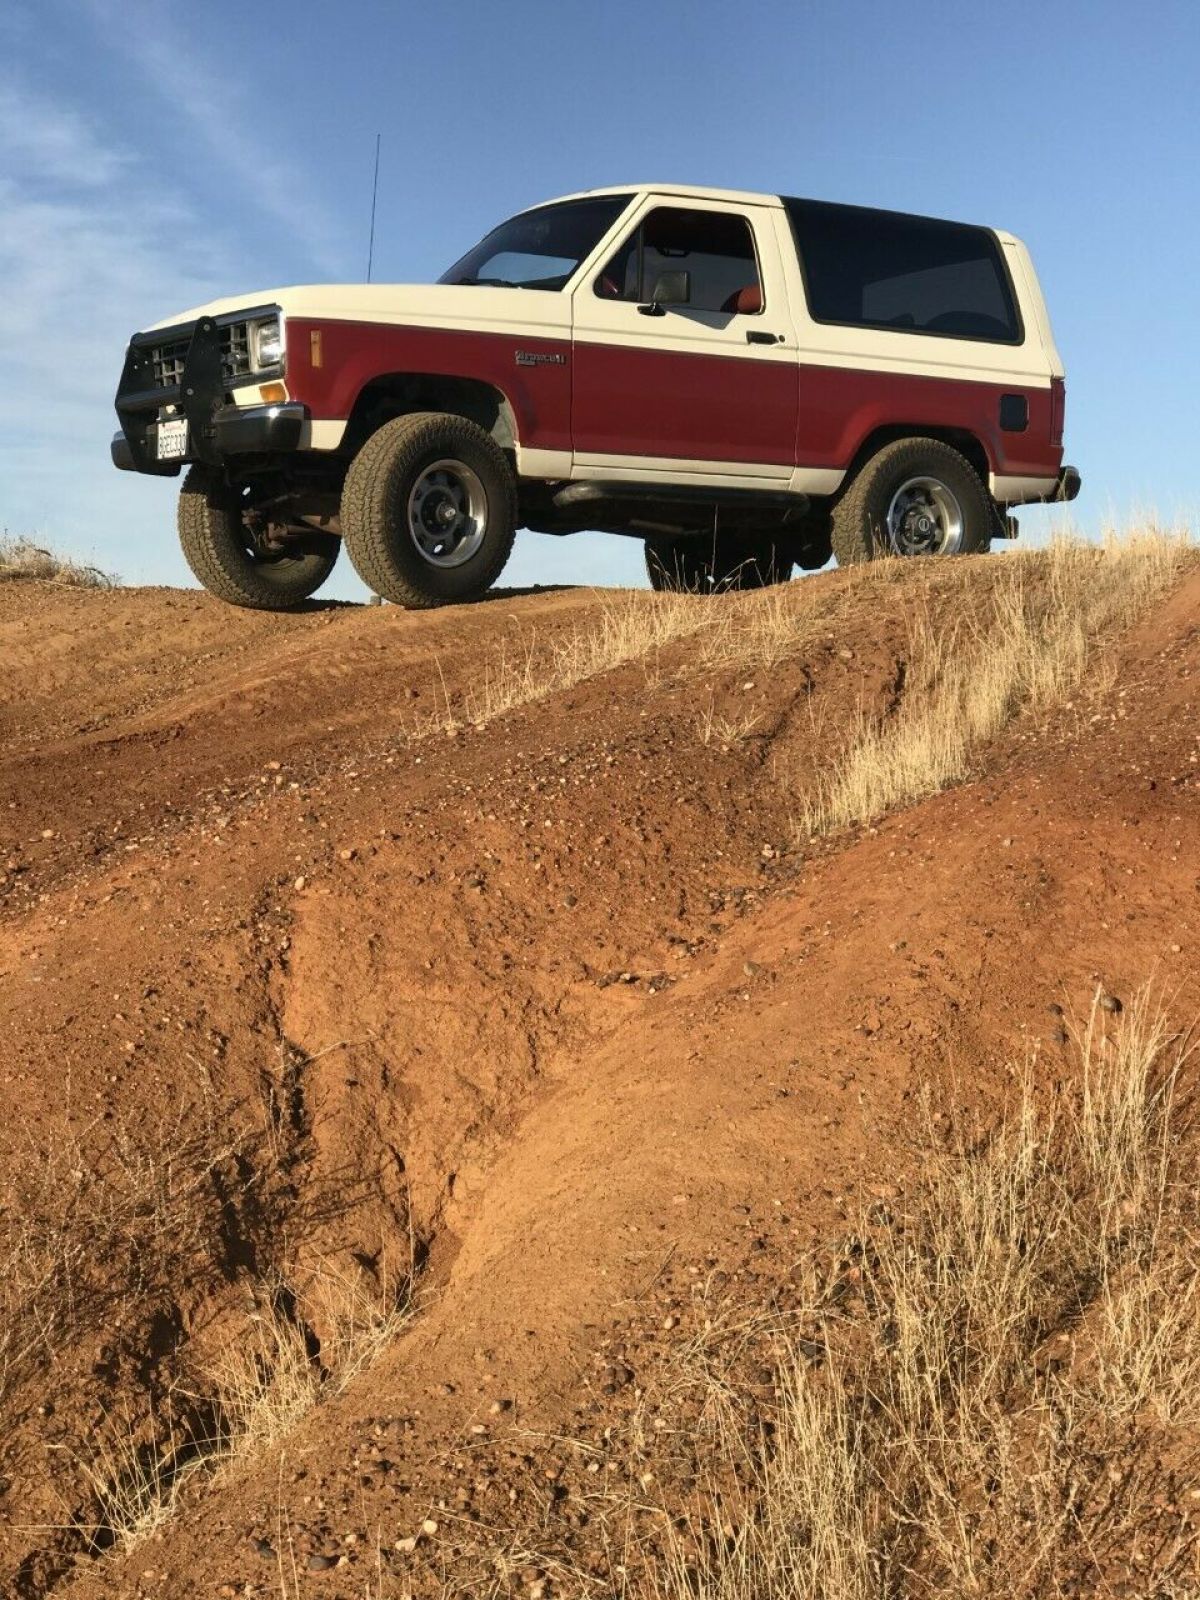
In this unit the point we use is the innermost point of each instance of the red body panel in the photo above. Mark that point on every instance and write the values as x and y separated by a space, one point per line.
656 402
840 406
615 400
352 353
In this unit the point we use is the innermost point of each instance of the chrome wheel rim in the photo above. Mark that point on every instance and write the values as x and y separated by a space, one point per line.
924 519
447 513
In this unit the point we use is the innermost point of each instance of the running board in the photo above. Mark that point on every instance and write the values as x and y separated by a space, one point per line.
589 493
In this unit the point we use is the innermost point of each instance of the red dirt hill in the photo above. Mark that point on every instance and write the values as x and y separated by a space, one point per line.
358 947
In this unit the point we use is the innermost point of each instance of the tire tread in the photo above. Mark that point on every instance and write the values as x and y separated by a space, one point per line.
853 537
369 511
214 554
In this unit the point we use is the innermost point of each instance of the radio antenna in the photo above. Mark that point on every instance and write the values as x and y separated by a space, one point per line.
374 194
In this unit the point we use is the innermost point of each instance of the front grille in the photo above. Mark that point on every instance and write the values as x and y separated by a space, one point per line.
168 359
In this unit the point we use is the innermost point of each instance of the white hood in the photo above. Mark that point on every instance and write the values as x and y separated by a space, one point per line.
439 305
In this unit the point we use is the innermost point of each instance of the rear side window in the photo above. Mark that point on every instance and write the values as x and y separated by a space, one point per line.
714 248
880 269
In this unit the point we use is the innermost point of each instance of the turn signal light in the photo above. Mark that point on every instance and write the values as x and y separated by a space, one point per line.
273 393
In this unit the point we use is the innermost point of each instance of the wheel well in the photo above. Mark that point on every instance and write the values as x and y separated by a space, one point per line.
398 393
965 442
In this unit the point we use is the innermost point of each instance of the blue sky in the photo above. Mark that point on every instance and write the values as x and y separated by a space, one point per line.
153 156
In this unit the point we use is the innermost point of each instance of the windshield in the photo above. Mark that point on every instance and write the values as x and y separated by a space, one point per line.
539 249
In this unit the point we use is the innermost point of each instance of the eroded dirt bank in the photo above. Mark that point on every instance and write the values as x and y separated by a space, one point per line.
552 1012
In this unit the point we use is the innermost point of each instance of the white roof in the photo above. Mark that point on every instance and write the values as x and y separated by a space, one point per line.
737 197
687 191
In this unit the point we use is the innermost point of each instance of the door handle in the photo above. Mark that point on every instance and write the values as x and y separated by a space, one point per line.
753 336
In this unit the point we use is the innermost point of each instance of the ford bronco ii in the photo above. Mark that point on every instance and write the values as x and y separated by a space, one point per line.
745 382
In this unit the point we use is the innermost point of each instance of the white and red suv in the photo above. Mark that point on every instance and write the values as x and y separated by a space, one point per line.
746 382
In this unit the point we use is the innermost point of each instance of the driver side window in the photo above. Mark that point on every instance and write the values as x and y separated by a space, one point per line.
715 249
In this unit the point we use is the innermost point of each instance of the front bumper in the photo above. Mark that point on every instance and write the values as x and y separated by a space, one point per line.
186 373
1067 485
233 431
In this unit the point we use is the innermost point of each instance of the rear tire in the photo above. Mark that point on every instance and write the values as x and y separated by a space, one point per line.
915 497
710 564
429 510
221 552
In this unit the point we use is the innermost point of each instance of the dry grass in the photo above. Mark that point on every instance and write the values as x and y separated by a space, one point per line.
102 1238
263 1385
1006 1390
1023 633
729 631
1024 641
104 1222
266 1383
21 559
631 627
716 729
989 1388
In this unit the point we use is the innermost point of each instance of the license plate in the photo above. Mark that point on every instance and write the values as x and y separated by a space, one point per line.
172 439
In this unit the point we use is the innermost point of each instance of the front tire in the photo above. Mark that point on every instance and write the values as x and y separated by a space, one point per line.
429 510
915 497
232 564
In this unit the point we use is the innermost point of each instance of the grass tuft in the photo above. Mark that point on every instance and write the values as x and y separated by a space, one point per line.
1023 642
1008 1370
22 560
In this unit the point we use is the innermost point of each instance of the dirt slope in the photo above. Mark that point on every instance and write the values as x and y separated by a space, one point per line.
551 1007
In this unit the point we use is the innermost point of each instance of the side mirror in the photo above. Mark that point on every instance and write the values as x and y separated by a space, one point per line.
670 289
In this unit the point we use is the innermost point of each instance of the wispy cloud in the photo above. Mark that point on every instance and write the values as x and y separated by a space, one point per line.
79 270
49 143
224 113
96 241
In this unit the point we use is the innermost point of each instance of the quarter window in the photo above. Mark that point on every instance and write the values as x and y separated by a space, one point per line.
881 269
714 248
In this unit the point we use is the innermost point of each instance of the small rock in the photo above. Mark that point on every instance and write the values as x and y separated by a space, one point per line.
752 969
264 1548
1054 1009
347 855
299 883
1109 1002
406 1546
321 1563
429 1526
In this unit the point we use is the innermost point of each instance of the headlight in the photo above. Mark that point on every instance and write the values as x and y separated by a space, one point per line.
268 343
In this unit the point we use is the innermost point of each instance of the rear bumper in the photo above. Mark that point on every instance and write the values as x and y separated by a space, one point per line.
235 431
1067 485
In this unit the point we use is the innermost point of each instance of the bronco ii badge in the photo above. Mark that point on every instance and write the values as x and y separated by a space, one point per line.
541 358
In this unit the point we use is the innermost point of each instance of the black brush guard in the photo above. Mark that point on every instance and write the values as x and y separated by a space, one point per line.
216 429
